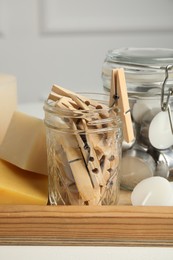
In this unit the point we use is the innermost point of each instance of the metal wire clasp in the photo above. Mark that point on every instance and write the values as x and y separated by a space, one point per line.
165 101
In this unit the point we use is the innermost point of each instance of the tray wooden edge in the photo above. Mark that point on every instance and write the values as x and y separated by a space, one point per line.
86 225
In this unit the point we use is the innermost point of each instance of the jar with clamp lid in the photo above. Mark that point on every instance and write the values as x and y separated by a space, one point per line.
149 78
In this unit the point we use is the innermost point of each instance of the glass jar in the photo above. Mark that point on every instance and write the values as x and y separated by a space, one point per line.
149 78
84 152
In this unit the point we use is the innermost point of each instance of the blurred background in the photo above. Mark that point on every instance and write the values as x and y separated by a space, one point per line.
45 42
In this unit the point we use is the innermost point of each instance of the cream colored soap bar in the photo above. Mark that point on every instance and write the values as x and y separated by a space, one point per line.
8 101
18 186
24 144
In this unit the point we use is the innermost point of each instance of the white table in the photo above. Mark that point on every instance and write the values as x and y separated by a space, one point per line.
84 253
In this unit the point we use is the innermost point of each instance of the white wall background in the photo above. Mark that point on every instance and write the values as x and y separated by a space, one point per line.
65 41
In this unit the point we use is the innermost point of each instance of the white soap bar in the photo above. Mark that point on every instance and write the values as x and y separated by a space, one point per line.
8 101
24 144
153 191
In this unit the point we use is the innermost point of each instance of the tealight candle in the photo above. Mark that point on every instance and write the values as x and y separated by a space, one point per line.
8 101
153 191
136 165
143 138
141 107
171 183
160 133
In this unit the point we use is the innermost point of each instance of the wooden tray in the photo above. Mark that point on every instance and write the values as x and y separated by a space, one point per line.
86 225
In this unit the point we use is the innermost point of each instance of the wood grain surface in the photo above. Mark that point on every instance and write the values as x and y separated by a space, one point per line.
86 225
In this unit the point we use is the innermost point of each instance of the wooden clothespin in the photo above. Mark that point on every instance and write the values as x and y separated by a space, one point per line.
118 94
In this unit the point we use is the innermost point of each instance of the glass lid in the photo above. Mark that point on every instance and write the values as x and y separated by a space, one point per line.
156 57
145 68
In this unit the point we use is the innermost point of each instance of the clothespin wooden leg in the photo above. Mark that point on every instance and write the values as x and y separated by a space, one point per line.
118 95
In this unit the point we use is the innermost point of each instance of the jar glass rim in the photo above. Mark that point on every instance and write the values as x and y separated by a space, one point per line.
110 116
49 106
